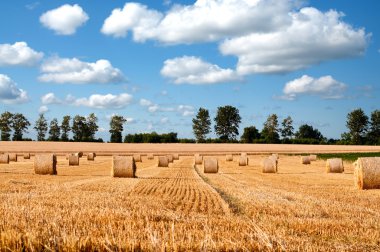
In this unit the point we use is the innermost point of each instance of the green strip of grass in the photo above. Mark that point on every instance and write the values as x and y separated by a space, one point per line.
348 156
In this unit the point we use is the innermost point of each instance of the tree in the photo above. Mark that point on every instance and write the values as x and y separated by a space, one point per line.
116 128
357 124
308 132
54 131
41 127
20 125
201 125
6 125
65 128
270 129
250 134
227 122
92 127
287 129
79 128
374 131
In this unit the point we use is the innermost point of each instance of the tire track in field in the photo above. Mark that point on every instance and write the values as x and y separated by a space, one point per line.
180 188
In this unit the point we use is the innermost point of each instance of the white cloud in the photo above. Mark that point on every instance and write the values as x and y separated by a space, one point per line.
108 101
63 70
205 20
18 54
164 120
186 110
326 87
312 37
193 70
43 109
10 93
64 20
131 120
50 98
145 102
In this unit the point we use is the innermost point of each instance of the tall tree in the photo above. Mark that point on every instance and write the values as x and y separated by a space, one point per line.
201 125
116 128
250 134
79 128
20 125
357 124
6 125
92 127
65 128
227 122
271 129
306 131
374 132
41 127
54 131
287 130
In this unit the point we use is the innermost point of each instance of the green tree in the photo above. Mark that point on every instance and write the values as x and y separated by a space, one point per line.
357 124
227 122
41 127
6 125
65 128
201 125
374 131
270 129
79 128
250 134
54 131
20 125
287 130
308 132
116 128
92 127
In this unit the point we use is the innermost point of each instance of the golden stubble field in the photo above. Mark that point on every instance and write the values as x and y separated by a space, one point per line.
181 208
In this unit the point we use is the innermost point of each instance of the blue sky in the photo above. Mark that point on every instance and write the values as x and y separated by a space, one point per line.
157 62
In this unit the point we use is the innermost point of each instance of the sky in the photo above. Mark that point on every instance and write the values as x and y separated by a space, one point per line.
157 62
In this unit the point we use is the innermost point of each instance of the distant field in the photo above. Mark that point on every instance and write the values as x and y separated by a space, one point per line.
181 208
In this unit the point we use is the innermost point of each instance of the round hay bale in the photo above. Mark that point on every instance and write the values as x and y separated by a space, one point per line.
170 158
163 161
137 158
210 165
198 159
74 160
334 165
26 155
91 156
229 158
150 156
243 161
313 157
275 160
367 173
12 157
4 159
175 156
123 167
269 165
305 160
79 154
45 164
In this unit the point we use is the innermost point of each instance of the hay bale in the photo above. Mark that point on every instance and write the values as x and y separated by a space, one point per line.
91 156
305 160
243 161
210 165
170 158
26 155
74 160
313 157
175 156
367 173
79 154
163 161
269 165
137 158
12 157
4 159
45 164
150 156
334 165
198 159
123 167
229 158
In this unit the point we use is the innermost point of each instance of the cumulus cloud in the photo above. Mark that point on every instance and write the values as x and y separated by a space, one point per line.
10 93
18 54
313 37
204 21
43 109
325 87
193 70
64 20
108 101
50 98
64 70
186 110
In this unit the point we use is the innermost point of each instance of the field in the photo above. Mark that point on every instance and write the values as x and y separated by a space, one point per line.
181 208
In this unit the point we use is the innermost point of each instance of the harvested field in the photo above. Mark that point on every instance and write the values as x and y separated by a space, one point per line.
182 208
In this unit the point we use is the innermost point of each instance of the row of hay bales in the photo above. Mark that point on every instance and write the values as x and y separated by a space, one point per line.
12 157
333 165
